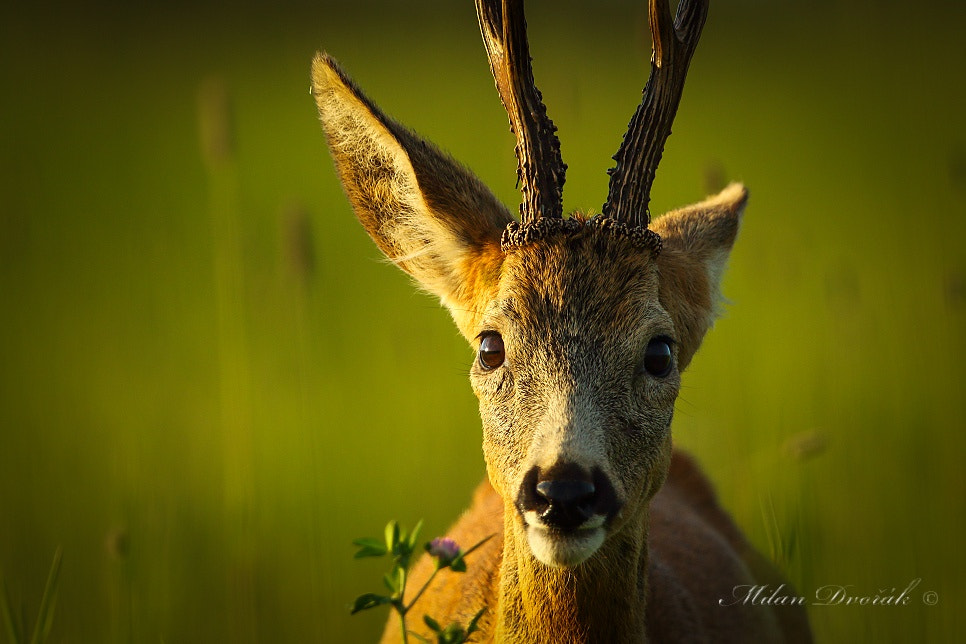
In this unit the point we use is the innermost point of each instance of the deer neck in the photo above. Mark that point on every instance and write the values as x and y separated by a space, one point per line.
601 600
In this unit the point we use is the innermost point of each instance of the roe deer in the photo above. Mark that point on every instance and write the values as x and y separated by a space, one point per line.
582 327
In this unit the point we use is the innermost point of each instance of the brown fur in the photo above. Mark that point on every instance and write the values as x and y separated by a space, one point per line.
575 313
685 505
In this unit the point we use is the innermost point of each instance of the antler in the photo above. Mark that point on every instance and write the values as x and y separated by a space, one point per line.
640 151
541 170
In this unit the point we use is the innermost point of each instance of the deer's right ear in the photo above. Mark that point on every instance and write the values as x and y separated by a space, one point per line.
426 212
697 240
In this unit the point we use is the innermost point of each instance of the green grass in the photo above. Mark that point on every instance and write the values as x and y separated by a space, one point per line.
14 624
210 383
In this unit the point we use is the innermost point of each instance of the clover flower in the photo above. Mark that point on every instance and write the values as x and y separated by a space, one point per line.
444 549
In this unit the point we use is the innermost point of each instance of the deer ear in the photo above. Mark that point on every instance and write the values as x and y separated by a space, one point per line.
427 213
697 240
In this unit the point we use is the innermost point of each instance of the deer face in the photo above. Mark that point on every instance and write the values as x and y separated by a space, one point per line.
576 378
580 334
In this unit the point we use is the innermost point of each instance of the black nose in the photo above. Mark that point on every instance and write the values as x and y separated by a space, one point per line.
566 492
564 496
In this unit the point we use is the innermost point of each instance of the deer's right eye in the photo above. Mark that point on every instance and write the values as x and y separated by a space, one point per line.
492 352
658 357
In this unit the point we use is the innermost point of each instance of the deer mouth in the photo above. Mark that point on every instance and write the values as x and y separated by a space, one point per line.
564 548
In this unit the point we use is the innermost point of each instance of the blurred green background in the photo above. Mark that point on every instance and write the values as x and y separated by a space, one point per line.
210 383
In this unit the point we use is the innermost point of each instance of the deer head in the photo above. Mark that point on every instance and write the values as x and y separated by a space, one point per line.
581 326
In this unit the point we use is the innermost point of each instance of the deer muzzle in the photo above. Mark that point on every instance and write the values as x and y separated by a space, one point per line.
565 510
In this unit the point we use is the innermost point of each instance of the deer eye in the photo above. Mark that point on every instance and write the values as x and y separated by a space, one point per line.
492 353
658 357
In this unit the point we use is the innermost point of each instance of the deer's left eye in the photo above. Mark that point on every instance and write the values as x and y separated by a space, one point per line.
492 352
658 357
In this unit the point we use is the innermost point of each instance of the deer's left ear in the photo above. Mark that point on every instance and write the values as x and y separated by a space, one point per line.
697 241
431 216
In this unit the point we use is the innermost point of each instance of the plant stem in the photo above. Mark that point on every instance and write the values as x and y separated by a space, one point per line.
402 609
421 590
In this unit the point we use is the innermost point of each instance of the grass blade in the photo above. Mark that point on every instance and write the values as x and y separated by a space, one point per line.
14 632
45 618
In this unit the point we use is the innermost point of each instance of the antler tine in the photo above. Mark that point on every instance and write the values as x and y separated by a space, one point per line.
541 170
640 151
